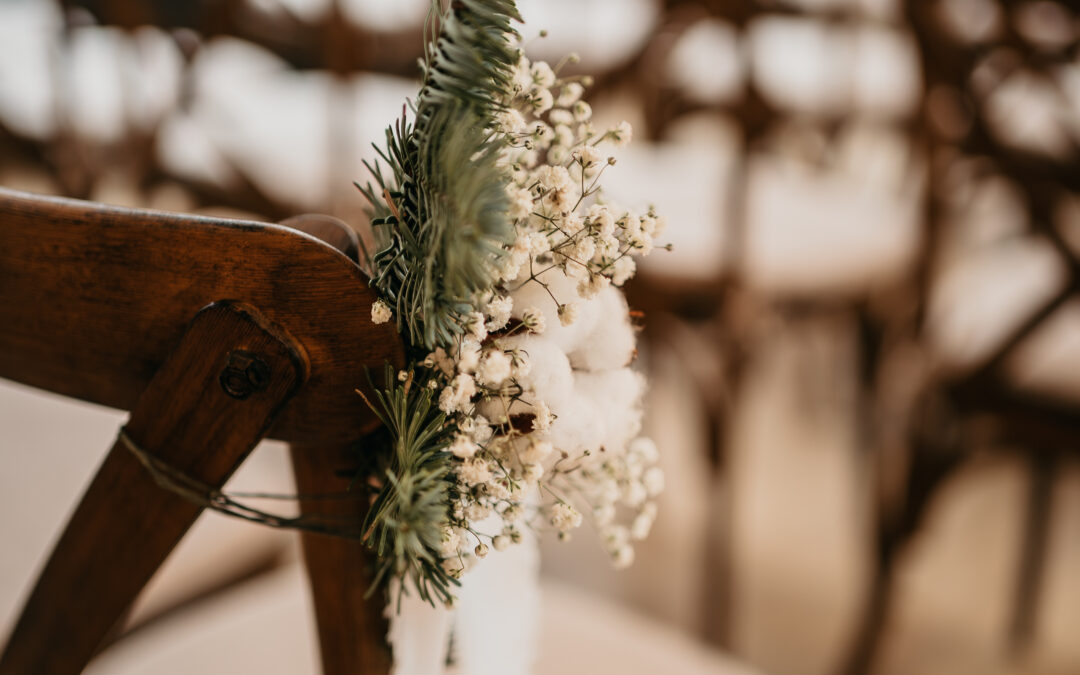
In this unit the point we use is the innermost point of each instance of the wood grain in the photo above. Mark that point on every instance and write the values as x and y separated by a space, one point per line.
93 298
352 629
193 416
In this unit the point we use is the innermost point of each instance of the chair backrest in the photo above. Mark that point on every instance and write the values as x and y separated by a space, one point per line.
93 298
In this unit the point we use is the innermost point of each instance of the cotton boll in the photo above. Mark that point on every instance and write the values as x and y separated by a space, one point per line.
610 344
550 376
602 411
576 429
533 295
615 397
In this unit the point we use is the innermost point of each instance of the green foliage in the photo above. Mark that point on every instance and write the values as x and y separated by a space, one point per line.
405 523
440 216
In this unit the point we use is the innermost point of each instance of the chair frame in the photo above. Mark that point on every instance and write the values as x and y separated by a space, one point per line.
215 334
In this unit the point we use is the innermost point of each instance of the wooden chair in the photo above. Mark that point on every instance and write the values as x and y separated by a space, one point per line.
214 334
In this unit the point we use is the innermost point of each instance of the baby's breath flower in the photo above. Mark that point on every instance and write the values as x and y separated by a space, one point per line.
381 312
541 101
542 135
570 94
563 136
634 494
520 365
476 326
458 394
641 526
608 491
481 550
463 447
621 133
521 202
624 270
592 287
568 313
468 356
511 514
477 511
473 472
565 517
542 75
561 117
653 481
494 368
499 311
623 557
538 243
501 542
531 473
511 121
644 449
536 451
451 542
601 218
641 241
479 429
587 156
582 111
604 514
543 419
522 74
660 226
454 567
533 319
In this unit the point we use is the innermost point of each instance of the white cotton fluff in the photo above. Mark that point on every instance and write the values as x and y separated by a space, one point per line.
551 376
532 294
577 426
610 343
592 409
580 371
603 412
616 396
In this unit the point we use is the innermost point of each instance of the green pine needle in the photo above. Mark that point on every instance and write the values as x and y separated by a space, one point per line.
440 216
405 523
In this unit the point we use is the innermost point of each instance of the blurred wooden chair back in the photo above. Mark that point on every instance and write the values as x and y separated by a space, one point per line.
214 334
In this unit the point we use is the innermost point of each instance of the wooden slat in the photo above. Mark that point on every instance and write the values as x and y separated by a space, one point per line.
352 629
93 298
126 525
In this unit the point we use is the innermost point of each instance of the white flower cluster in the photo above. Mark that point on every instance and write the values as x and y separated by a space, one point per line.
556 158
546 408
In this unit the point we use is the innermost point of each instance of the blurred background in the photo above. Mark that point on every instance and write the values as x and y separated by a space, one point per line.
864 348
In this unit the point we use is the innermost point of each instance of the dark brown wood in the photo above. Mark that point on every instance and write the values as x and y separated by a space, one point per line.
328 229
205 409
93 298
352 629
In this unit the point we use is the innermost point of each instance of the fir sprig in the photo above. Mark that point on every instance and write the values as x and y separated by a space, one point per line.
405 523
440 217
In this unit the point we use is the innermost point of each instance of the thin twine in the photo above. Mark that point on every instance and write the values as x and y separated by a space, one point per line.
207 496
